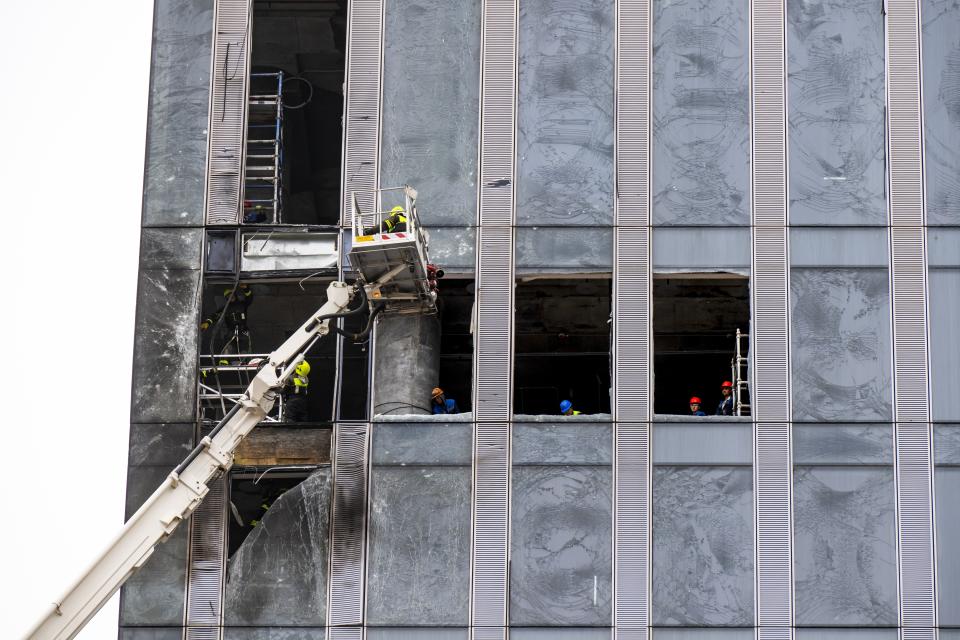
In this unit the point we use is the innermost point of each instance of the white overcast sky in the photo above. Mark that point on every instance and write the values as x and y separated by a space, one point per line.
73 100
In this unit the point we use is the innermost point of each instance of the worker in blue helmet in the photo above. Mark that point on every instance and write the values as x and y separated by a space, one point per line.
566 408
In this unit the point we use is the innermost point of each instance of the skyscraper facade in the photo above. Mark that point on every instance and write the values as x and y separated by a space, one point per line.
634 201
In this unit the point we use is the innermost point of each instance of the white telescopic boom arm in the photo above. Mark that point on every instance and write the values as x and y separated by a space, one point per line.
186 486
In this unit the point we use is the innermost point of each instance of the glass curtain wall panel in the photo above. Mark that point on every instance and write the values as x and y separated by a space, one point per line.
701 112
677 249
703 568
431 98
840 325
836 111
845 564
946 441
278 576
561 560
175 172
941 109
570 250
419 533
565 112
847 634
272 633
944 303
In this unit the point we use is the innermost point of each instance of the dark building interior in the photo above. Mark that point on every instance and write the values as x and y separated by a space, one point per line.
275 311
455 307
306 40
562 345
694 334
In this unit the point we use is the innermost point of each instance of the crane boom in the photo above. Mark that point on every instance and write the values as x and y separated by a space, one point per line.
187 485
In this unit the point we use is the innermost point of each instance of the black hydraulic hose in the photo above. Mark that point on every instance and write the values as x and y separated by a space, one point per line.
342 314
357 337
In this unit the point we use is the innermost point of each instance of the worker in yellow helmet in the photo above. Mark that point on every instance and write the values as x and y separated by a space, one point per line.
295 407
396 221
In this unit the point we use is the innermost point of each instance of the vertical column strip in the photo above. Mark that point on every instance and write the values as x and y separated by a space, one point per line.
493 340
207 559
908 277
361 123
228 111
348 522
632 322
770 323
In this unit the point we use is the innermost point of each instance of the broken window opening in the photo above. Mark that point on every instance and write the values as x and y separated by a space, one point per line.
562 345
700 342
455 308
294 123
418 354
237 338
253 493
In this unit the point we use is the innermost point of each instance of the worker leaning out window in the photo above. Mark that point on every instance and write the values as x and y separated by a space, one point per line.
441 404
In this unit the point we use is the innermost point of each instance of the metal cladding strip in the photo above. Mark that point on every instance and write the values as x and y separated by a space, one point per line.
774 633
489 633
348 525
362 109
228 111
493 350
770 322
492 391
632 530
631 372
498 112
207 559
631 303
908 273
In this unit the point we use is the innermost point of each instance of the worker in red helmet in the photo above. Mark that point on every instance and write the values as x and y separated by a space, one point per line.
725 407
695 407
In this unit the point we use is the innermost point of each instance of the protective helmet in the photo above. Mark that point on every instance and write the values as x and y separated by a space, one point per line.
303 369
437 392
695 400
565 405
397 209
726 385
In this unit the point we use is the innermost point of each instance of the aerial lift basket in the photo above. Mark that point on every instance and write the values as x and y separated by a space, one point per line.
398 259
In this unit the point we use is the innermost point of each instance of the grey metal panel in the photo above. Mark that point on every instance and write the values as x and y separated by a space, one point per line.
228 110
361 124
348 524
709 249
207 559
770 326
908 282
631 318
710 443
943 245
838 247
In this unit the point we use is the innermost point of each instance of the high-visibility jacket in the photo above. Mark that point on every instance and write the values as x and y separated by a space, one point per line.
300 383
394 223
